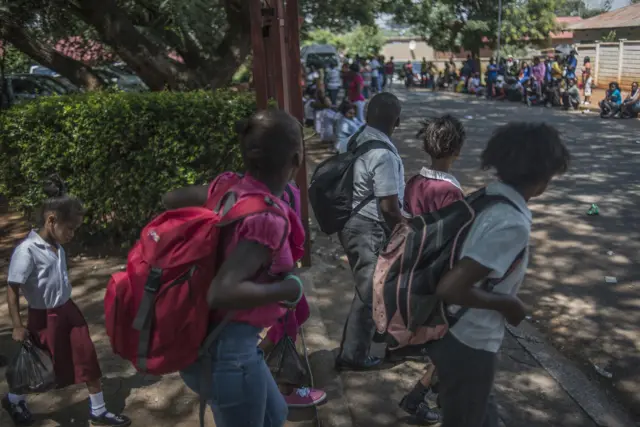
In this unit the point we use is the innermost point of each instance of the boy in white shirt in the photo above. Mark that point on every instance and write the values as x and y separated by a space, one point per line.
525 157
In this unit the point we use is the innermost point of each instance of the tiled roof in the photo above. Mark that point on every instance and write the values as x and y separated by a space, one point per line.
628 16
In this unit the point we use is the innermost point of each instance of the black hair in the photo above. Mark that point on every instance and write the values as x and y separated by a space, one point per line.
346 106
65 207
442 136
526 154
383 111
355 67
267 141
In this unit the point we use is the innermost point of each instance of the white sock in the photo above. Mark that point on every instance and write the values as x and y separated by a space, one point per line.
97 404
15 398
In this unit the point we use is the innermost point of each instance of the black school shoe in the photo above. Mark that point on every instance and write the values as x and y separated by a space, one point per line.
109 419
19 412
422 413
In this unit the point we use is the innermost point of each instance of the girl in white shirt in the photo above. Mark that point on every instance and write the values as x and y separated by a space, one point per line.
55 324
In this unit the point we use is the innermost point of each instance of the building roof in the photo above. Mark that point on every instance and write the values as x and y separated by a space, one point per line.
564 22
628 16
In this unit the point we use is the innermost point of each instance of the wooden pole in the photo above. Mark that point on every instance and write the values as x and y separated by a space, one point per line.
296 109
260 82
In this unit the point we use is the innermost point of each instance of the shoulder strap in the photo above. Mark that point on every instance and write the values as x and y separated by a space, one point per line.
292 199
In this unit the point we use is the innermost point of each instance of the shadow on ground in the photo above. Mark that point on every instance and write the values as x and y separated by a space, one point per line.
591 321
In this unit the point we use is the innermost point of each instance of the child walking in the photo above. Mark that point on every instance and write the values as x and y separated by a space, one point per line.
525 157
39 270
255 278
433 189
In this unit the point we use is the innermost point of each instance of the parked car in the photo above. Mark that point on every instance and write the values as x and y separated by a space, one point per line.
19 88
121 79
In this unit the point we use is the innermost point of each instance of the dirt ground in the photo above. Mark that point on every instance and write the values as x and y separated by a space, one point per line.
149 401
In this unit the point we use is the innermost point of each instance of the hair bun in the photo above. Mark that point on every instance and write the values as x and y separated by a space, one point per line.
54 186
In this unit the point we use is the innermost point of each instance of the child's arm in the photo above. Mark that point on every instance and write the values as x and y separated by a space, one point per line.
458 287
193 195
13 302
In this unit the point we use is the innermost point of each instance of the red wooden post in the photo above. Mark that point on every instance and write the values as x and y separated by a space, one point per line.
260 83
296 109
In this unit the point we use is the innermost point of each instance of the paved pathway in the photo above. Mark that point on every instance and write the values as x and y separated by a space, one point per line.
587 319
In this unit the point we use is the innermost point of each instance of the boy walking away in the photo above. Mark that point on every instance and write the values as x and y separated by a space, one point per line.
525 157
55 324
433 189
378 191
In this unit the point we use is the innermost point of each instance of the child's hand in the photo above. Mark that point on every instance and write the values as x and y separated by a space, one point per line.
20 334
515 311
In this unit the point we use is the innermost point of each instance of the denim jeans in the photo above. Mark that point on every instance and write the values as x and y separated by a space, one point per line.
243 392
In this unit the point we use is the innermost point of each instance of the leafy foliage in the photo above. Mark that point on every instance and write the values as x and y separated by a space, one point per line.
13 60
119 152
363 40
470 24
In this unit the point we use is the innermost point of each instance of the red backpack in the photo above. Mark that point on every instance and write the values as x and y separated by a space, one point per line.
156 312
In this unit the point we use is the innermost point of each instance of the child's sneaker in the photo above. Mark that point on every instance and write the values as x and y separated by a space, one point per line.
109 419
18 412
422 412
305 397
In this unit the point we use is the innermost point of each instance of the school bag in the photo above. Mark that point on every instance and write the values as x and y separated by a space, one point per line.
156 312
406 310
331 188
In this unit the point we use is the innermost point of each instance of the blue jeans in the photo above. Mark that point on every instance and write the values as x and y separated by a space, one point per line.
243 392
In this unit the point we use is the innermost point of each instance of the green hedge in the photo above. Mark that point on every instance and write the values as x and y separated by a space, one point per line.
119 152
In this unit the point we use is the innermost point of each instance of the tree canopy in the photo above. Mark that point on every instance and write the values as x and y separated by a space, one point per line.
472 24
170 44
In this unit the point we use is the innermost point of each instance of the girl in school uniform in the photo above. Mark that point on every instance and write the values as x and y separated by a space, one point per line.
256 278
38 269
433 189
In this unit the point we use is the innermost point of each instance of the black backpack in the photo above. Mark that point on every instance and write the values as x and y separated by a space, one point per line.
331 188
406 310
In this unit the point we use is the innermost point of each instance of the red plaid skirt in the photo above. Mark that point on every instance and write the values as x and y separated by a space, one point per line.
63 332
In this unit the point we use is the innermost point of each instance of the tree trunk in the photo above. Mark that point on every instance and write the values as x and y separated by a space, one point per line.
78 73
149 61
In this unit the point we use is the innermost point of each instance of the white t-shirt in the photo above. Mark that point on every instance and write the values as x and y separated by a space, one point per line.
375 68
309 111
379 171
495 240
335 82
40 272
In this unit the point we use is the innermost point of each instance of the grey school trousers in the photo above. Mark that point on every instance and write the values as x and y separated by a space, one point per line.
465 383
362 238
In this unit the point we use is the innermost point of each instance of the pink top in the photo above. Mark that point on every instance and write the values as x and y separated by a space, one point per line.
538 71
266 229
355 94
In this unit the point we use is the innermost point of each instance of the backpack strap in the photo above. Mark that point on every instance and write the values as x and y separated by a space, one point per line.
292 199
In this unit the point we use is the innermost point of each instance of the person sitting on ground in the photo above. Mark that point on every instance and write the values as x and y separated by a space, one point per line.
610 105
531 91
432 189
631 105
525 157
473 87
347 126
571 96
525 73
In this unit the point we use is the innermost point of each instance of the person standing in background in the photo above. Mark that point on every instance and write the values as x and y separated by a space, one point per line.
333 83
389 69
367 77
376 80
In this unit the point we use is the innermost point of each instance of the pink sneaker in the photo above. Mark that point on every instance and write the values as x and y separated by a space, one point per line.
305 397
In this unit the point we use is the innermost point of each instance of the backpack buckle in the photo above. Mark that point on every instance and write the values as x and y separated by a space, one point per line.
154 280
